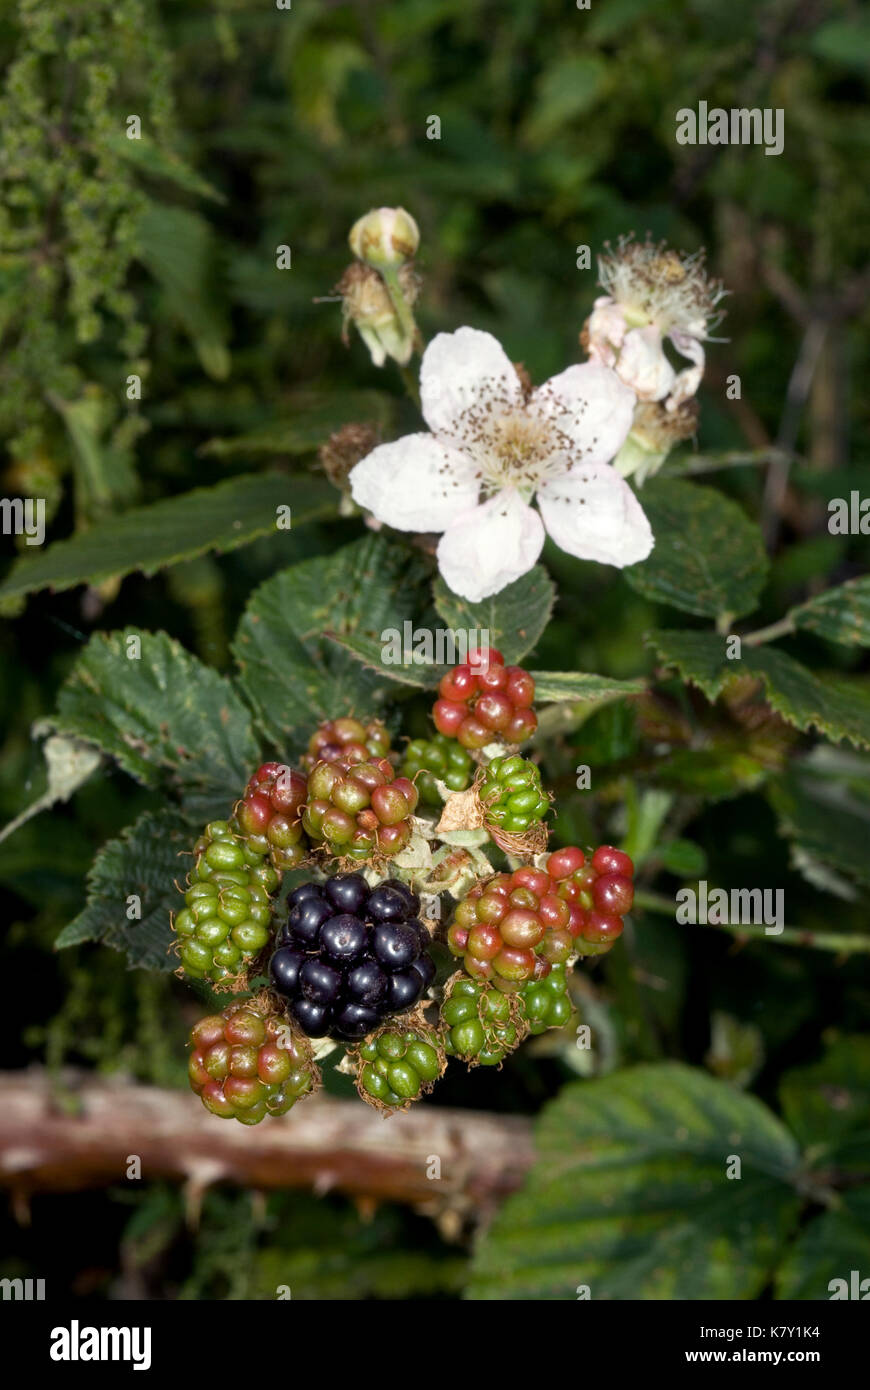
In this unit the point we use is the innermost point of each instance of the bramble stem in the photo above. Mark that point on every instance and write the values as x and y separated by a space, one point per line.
841 943
782 628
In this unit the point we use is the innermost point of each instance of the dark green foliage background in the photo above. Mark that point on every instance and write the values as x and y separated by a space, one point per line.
264 128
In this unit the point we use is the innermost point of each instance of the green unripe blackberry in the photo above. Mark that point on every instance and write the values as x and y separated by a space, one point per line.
395 1068
511 794
546 1003
438 757
479 1023
227 917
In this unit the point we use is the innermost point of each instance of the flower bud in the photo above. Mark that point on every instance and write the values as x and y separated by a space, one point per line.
654 432
385 237
367 304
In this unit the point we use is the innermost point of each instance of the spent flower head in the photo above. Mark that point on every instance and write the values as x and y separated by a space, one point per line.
653 293
368 304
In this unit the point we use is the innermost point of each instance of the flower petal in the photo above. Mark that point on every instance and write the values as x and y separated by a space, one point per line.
592 513
643 366
414 484
490 546
605 330
686 382
465 374
591 407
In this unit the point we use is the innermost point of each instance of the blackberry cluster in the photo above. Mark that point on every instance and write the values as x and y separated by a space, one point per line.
395 1068
246 1064
483 700
269 814
598 892
511 929
348 739
512 795
546 1003
359 809
480 1023
226 920
439 757
350 956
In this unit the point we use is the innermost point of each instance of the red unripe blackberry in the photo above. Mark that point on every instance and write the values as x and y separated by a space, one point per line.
269 814
477 700
347 739
359 809
247 1063
597 893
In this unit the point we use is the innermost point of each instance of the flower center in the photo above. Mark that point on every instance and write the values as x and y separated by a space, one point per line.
514 447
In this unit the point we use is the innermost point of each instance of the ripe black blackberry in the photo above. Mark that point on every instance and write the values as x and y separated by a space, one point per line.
351 956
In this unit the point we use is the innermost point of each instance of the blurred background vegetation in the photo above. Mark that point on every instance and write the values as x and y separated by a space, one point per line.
157 257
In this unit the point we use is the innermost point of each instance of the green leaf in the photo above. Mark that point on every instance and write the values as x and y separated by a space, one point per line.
708 557
167 719
838 707
222 517
152 159
291 671
825 822
840 615
143 862
827 1104
568 89
553 686
629 1194
313 416
831 1247
513 618
105 474
369 650
180 250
